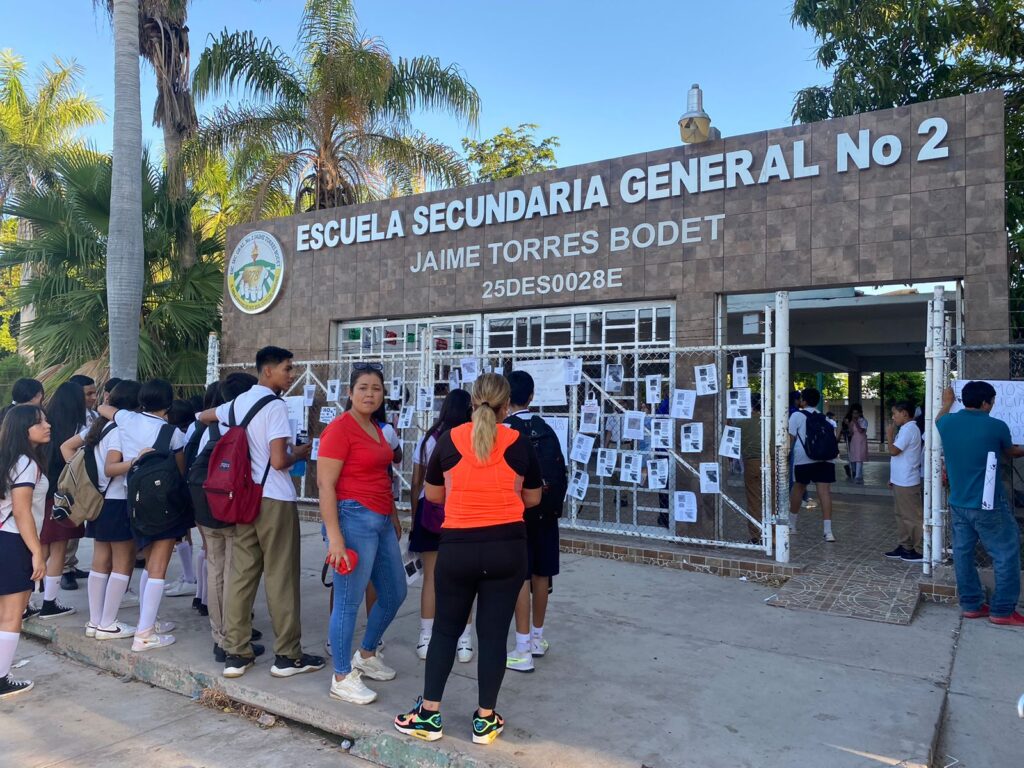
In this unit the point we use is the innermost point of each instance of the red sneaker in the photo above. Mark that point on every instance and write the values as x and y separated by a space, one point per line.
981 613
1013 620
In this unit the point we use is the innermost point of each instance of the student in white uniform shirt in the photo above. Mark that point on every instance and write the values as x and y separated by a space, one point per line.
113 553
268 547
139 433
906 451
23 485
805 469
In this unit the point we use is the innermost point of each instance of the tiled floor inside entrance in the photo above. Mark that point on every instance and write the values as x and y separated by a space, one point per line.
851 577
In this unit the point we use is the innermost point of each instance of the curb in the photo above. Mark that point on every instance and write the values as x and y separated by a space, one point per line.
375 745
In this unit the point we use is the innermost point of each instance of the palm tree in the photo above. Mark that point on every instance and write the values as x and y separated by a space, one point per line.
334 122
33 126
124 265
71 216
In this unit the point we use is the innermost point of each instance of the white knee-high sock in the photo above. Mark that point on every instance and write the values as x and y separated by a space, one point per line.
8 647
188 569
143 581
116 588
467 633
97 591
51 586
201 576
150 604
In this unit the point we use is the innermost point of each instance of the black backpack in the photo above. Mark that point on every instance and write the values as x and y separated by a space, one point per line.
191 448
552 464
820 443
158 500
196 476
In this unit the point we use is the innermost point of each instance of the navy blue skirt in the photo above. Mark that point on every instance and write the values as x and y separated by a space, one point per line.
177 534
112 525
420 539
15 564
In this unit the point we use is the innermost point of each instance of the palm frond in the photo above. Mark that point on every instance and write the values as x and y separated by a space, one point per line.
258 69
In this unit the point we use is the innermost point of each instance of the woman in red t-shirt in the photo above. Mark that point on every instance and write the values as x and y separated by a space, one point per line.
359 514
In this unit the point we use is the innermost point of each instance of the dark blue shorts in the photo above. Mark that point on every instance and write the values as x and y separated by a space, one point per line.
15 564
177 534
112 525
542 545
420 539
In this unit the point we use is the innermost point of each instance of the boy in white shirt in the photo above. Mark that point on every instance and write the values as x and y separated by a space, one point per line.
904 439
269 546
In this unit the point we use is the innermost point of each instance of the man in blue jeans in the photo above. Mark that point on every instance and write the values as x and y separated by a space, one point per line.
968 436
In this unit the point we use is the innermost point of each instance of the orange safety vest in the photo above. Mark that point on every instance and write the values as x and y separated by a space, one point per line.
479 494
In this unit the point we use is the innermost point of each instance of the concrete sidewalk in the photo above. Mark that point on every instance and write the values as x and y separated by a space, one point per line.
647 666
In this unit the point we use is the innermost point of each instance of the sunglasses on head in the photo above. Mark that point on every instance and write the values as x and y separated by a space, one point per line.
367 367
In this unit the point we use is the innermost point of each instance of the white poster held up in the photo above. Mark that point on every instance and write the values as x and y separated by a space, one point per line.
296 412
707 379
632 465
582 447
405 417
308 394
737 403
1009 405
424 399
548 381
613 375
590 417
730 444
684 507
578 484
661 434
652 385
334 390
691 438
657 474
988 491
709 477
470 370
607 458
327 414
683 401
633 425
739 372
573 371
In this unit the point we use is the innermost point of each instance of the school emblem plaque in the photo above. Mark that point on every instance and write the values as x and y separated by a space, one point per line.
255 272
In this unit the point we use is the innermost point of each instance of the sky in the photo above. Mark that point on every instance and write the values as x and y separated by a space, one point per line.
607 78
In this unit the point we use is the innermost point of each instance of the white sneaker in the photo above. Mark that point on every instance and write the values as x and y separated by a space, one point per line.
422 646
130 599
373 667
464 650
180 588
538 646
352 689
810 504
519 662
163 627
152 642
829 537
90 629
120 631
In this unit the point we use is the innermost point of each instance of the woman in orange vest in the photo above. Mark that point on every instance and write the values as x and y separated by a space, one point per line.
485 474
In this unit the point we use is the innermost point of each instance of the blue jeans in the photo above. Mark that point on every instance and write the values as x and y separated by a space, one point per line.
997 530
372 537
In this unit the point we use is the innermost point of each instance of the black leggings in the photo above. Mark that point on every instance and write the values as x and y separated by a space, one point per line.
488 565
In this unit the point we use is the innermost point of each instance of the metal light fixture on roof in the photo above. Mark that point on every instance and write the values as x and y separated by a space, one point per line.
695 125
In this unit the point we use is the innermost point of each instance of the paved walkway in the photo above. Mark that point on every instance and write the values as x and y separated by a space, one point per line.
648 666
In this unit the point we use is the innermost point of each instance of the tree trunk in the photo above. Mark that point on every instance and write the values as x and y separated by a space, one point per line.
184 237
125 267
28 312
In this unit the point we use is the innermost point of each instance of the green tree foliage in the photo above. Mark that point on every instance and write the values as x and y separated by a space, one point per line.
70 218
884 54
907 386
834 385
333 123
513 152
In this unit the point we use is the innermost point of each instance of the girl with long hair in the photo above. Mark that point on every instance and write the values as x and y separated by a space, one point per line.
359 513
65 412
23 438
424 536
486 474
113 552
858 443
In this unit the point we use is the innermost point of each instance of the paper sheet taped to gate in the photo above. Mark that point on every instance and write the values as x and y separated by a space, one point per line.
548 380
1009 405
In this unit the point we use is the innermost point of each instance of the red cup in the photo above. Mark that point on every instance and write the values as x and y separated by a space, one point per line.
353 558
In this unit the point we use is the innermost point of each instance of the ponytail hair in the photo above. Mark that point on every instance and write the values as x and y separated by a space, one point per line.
490 395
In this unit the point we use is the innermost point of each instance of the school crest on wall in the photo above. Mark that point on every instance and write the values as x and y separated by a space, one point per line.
255 272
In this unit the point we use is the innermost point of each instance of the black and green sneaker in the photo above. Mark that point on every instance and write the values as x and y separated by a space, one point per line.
486 729
420 723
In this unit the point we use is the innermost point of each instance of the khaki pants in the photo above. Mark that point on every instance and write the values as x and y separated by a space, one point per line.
71 556
909 516
220 543
269 548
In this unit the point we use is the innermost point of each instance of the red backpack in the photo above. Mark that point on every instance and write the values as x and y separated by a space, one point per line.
231 493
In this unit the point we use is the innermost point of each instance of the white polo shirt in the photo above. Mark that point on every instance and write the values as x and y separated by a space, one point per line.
798 428
271 423
139 431
905 469
24 474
